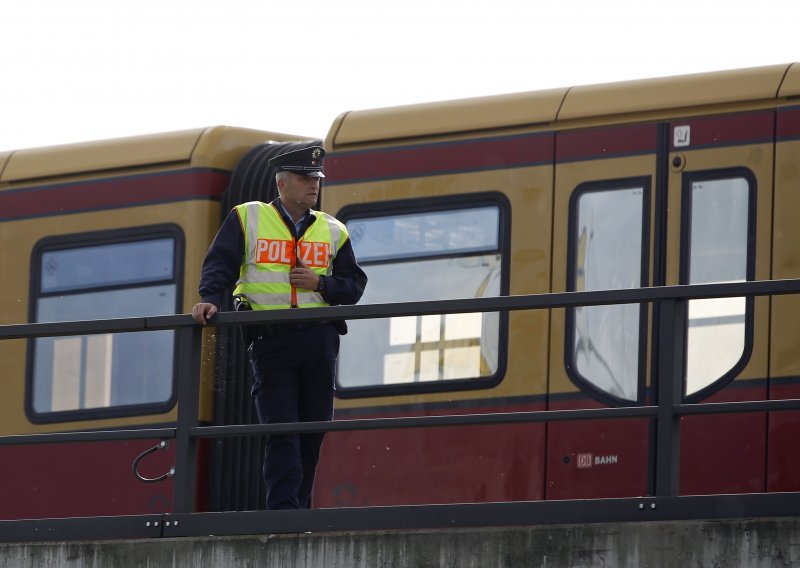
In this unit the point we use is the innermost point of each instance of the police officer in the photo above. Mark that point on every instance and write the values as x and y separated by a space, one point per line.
284 254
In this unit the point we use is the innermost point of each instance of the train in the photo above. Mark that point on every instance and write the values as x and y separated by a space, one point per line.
655 182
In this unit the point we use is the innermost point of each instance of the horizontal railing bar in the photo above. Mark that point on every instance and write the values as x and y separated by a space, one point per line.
735 407
81 528
489 418
94 436
404 422
498 514
405 517
62 328
369 311
499 303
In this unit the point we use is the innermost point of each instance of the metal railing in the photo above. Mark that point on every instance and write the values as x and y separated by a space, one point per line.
670 308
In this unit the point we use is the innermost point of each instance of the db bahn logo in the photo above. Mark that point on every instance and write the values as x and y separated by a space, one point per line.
586 461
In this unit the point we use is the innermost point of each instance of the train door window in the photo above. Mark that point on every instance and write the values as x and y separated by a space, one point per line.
718 220
608 239
94 375
447 250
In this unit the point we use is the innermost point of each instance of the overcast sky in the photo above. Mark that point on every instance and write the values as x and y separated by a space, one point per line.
85 70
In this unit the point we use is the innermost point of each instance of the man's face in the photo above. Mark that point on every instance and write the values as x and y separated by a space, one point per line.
300 190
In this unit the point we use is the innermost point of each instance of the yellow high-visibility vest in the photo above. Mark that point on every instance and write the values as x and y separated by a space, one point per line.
271 251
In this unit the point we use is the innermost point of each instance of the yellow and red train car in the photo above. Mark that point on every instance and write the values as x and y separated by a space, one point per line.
657 182
102 230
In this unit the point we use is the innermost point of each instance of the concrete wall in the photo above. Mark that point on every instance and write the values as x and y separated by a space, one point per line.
719 544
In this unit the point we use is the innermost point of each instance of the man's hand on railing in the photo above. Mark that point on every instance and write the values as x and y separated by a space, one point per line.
202 312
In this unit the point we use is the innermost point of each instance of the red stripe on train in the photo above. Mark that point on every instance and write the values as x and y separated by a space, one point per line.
433 159
111 193
607 143
727 130
789 123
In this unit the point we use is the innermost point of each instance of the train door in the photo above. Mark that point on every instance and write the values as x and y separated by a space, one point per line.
603 238
719 209
687 202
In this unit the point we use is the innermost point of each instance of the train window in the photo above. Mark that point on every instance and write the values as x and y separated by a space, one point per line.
717 249
438 253
82 280
607 251
427 234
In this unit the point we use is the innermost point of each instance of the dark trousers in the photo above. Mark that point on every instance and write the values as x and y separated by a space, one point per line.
294 372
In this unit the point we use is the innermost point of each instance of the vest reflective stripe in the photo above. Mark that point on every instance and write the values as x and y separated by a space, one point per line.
271 252
262 276
283 301
335 228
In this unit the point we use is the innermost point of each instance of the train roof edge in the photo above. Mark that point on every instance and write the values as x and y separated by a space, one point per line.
552 106
218 147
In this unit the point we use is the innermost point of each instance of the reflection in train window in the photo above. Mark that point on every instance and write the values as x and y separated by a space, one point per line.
717 252
117 280
607 254
425 255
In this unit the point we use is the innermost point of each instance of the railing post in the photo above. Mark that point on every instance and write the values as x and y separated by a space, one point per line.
185 479
672 318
